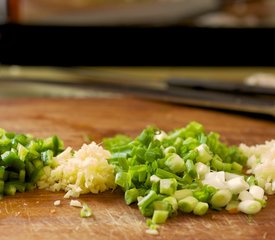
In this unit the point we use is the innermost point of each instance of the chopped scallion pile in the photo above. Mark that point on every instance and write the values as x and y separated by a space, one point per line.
186 170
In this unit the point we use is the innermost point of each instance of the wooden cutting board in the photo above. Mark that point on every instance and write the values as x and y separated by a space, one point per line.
32 215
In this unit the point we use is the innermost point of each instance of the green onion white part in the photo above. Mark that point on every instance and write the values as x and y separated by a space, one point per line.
261 163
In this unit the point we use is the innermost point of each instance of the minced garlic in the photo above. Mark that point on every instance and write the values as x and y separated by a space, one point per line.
80 172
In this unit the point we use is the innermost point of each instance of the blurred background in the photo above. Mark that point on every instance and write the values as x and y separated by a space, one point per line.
206 53
210 13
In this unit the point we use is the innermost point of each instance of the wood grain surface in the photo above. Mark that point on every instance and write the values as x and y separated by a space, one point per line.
32 215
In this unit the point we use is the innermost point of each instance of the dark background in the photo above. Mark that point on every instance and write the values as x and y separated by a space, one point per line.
131 46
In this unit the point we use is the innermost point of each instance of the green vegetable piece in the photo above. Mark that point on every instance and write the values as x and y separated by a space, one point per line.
36 174
123 179
146 136
20 139
29 168
34 146
201 208
52 143
116 144
20 187
168 186
182 193
161 173
191 170
250 206
187 204
192 155
22 152
37 163
4 142
204 153
161 205
221 198
168 150
9 189
86 211
131 195
237 167
227 167
178 144
155 186
172 201
175 163
193 129
2 132
47 157
217 163
10 135
251 180
201 195
160 216
146 201
187 178
12 160
32 155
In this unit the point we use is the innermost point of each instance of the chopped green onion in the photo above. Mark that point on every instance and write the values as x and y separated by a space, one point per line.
175 163
169 171
217 163
201 208
162 205
202 169
182 193
160 216
170 149
202 195
221 198
187 204
237 185
191 170
147 200
250 206
172 201
251 180
204 155
257 192
168 186
237 167
131 195
245 195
